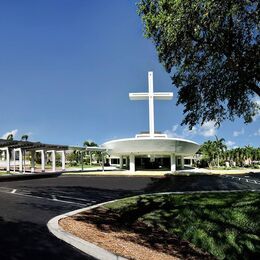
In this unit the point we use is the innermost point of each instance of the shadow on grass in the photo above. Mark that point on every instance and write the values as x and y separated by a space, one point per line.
225 225
149 236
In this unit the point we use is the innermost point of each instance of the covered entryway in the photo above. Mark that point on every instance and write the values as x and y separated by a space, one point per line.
151 162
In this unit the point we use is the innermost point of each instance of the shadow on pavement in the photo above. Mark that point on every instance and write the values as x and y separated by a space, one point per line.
31 241
194 183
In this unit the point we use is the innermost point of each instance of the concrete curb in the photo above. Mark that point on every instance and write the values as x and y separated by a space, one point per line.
83 245
26 176
94 250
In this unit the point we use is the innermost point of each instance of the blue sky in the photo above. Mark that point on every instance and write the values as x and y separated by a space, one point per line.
67 67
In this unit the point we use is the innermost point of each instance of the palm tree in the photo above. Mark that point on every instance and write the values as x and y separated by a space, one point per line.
96 154
249 153
24 137
239 156
10 137
208 152
89 143
220 148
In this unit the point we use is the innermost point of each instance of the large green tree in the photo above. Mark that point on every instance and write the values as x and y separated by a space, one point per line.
211 49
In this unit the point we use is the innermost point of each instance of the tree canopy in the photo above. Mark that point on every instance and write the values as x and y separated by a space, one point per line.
211 49
24 137
215 153
89 143
10 137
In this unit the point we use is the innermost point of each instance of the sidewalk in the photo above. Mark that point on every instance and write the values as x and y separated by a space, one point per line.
112 171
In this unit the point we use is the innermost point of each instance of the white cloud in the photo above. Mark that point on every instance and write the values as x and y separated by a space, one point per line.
206 130
237 133
13 132
188 132
230 144
172 133
257 102
257 133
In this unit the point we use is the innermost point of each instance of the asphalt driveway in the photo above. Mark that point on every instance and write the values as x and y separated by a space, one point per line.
26 206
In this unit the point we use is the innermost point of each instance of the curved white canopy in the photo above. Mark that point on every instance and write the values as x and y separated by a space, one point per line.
151 146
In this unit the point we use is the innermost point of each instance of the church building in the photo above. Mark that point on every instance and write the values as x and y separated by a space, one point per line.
151 150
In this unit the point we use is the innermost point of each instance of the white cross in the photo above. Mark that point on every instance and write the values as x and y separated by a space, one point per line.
151 96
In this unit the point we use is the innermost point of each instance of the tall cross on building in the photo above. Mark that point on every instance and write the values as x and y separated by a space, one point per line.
151 95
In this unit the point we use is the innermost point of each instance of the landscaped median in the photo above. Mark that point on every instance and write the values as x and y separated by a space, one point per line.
169 226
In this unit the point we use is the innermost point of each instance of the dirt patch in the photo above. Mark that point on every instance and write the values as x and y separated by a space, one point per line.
104 228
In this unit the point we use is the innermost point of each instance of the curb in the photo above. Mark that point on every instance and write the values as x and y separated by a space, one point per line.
26 176
83 245
94 250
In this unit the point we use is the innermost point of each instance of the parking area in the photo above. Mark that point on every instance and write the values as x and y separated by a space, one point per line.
246 178
27 205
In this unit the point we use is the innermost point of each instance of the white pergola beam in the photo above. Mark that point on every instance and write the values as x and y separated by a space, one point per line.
53 159
63 160
42 160
32 161
7 160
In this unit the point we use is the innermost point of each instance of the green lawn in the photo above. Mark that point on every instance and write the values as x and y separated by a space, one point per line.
2 173
227 225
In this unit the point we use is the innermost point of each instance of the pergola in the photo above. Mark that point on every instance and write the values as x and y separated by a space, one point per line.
12 148
102 150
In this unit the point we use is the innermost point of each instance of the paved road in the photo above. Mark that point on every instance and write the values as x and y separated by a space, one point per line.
26 206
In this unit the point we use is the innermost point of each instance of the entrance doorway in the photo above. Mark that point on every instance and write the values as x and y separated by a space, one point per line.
153 163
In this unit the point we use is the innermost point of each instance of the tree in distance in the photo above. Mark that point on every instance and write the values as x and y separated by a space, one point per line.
24 137
89 143
10 137
212 51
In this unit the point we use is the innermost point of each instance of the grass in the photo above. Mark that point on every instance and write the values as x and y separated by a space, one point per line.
3 173
227 225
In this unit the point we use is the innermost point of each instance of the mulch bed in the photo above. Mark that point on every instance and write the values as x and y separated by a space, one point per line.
106 229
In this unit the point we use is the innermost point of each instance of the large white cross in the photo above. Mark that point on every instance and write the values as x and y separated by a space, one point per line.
151 96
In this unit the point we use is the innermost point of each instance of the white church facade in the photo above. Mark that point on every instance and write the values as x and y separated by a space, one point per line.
151 150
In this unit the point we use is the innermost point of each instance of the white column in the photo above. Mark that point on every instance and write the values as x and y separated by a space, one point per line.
90 158
53 158
102 155
20 160
63 160
7 160
81 161
132 163
23 154
42 160
173 162
14 153
121 162
151 103
32 161
182 162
